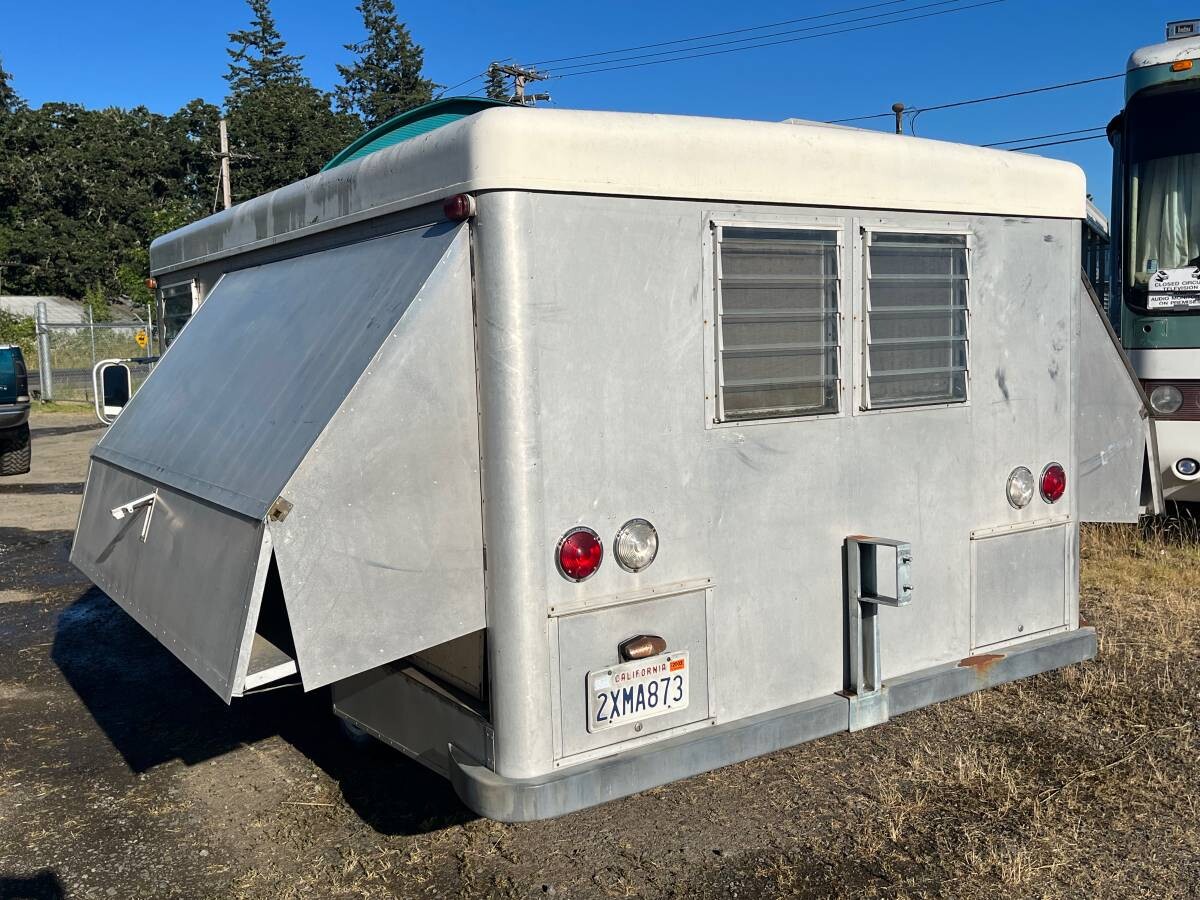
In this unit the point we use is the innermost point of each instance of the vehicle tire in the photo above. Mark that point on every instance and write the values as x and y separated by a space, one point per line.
15 451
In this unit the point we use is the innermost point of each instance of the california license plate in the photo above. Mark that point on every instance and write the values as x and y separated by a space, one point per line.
632 691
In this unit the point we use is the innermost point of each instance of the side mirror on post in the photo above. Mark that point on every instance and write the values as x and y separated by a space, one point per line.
112 383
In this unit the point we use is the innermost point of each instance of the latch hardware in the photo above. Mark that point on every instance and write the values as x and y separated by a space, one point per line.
128 509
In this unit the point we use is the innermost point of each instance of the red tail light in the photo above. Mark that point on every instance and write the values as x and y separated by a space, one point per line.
579 553
1054 482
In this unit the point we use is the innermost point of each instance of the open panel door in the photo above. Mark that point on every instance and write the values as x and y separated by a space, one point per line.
1115 448
181 498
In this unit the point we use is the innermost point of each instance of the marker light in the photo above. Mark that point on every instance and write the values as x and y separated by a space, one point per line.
1020 487
1182 65
459 208
579 553
1054 482
1186 467
636 545
1166 399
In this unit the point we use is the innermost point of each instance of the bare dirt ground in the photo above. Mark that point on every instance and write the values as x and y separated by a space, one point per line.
122 776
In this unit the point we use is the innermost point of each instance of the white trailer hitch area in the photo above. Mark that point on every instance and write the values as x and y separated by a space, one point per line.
868 693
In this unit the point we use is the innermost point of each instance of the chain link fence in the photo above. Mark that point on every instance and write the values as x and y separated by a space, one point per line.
61 369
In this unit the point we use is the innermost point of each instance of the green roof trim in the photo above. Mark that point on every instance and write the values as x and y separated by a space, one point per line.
421 120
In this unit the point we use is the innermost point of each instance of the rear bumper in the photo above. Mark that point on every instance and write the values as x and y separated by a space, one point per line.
568 790
13 415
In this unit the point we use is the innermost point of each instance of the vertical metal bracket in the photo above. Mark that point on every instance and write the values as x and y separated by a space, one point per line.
868 693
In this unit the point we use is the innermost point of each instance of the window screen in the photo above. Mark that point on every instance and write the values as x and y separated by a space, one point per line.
916 323
778 322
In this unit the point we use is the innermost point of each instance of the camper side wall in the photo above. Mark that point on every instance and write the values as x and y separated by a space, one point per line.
617 343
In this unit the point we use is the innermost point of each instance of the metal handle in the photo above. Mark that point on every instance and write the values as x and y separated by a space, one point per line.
128 509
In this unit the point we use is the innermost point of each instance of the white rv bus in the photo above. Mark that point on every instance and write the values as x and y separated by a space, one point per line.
581 451
1156 263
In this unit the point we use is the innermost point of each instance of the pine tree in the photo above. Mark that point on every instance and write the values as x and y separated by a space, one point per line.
10 102
258 55
385 78
496 86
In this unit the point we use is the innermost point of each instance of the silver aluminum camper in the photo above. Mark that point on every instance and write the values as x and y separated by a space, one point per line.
807 395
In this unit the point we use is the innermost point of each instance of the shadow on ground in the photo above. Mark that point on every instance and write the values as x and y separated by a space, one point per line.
53 487
154 710
51 430
43 885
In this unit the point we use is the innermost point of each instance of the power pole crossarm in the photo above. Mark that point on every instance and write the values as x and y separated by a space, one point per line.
521 76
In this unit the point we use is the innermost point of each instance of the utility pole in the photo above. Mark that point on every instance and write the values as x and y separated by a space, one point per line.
522 75
226 191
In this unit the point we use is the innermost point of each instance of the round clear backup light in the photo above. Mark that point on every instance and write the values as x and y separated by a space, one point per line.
1166 399
636 545
1020 487
1187 467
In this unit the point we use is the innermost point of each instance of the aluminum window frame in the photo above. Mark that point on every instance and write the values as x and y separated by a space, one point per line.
715 416
862 261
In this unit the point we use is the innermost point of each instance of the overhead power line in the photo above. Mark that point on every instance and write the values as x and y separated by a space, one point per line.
1038 137
989 99
673 53
1056 143
682 53
716 34
807 37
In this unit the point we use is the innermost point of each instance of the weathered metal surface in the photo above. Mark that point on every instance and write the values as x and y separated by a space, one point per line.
403 707
190 583
1109 410
1020 584
589 641
381 552
238 400
762 508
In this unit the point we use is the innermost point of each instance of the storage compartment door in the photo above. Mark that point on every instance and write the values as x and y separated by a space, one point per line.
1018 583
1111 424
189 572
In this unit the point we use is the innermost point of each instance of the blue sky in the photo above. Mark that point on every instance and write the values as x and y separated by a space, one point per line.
125 53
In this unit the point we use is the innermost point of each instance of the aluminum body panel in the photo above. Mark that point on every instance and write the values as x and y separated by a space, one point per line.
1109 411
763 508
400 706
1019 581
588 641
514 483
263 365
381 553
576 787
190 583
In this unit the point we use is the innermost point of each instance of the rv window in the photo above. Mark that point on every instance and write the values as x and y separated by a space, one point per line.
916 323
777 323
